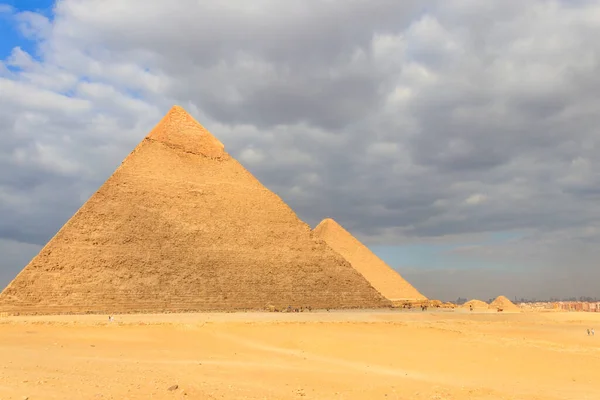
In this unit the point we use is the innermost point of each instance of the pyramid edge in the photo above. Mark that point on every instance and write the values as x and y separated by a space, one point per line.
325 226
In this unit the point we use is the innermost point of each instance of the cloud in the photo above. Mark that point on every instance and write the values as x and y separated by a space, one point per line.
251 156
475 199
6 9
15 253
33 25
406 121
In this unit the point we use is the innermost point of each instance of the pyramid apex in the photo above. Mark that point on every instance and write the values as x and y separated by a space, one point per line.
177 107
179 130
327 221
327 224
179 110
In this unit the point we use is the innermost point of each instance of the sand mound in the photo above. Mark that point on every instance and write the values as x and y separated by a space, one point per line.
504 303
182 226
383 278
475 303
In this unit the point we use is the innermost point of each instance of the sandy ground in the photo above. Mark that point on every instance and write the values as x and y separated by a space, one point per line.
318 355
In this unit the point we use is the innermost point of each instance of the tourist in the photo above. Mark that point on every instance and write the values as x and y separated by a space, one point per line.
588 331
592 331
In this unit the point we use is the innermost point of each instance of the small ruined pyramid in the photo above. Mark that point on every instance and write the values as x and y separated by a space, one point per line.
505 304
475 304
182 226
383 278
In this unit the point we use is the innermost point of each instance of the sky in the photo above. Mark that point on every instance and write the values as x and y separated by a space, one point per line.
457 139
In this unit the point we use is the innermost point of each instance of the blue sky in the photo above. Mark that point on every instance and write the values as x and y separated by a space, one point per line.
442 256
9 34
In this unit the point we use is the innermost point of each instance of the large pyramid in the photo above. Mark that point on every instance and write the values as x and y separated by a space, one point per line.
182 226
383 278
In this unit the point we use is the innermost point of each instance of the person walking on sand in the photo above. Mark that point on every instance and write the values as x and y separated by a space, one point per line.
588 331
592 331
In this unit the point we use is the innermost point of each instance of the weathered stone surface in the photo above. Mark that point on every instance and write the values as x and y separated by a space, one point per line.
383 278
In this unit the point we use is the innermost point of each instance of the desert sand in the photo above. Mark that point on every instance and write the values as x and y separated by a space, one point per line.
379 354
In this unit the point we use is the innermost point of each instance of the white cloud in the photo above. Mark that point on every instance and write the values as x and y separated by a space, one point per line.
251 156
21 59
476 199
6 9
33 25
32 97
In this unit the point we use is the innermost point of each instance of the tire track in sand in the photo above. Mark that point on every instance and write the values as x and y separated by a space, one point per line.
337 362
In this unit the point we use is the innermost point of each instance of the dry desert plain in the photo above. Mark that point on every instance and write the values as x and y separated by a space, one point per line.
317 355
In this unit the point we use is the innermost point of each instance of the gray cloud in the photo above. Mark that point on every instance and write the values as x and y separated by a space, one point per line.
14 253
406 121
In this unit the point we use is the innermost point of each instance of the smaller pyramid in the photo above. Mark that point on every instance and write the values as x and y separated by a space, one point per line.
383 278
477 304
504 303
